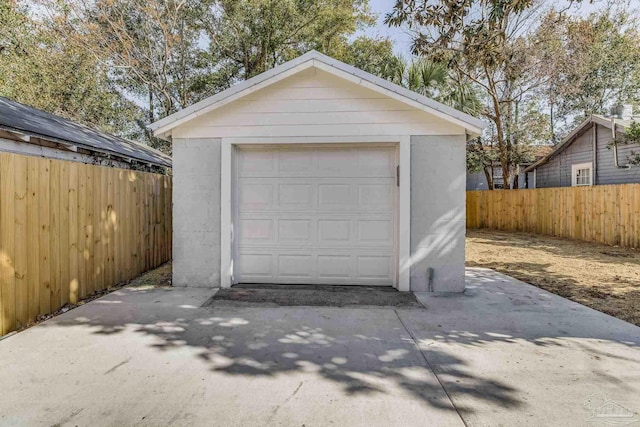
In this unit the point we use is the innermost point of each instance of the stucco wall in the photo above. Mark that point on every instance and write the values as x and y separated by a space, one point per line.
196 212
438 175
438 179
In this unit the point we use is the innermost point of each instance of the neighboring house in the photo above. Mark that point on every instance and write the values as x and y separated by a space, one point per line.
478 180
316 172
587 157
27 130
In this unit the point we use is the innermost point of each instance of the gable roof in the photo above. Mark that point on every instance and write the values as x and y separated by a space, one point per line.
26 120
473 126
621 126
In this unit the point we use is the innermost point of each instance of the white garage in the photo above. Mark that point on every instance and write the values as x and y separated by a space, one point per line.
318 173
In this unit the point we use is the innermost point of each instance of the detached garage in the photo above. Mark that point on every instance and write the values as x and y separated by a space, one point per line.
316 172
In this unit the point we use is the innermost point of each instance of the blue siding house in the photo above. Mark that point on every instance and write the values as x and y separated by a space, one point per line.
587 156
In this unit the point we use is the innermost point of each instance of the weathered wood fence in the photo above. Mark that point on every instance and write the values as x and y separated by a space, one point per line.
606 213
69 229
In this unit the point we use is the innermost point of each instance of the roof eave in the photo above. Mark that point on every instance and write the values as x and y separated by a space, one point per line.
571 137
165 163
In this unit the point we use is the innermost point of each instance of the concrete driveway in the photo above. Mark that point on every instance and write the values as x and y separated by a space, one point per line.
504 353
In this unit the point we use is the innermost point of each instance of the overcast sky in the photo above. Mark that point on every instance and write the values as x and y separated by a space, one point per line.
402 39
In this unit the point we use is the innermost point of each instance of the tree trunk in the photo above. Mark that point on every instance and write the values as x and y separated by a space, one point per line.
489 176
150 105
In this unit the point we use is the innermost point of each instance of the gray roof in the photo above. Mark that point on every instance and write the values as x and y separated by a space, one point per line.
470 123
20 118
621 126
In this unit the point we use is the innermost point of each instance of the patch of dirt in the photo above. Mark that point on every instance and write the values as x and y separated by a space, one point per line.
311 295
158 278
605 278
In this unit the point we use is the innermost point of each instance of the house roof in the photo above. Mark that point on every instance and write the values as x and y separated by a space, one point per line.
25 120
621 126
162 128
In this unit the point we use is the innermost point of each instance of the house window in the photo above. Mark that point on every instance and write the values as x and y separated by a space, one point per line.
581 174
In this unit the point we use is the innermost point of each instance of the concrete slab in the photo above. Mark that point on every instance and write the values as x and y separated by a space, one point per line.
509 353
503 353
155 357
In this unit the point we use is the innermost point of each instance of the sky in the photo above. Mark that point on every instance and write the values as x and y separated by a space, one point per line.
402 38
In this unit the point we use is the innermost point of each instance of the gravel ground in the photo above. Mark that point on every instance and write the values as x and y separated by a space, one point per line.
606 278
312 295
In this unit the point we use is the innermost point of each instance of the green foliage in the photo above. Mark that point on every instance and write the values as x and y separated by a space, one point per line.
630 137
369 54
483 43
40 69
590 63
120 64
633 133
248 37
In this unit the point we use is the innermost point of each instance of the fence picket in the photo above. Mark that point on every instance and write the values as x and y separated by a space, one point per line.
605 214
59 241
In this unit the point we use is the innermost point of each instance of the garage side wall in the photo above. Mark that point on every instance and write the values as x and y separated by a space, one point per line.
196 212
438 179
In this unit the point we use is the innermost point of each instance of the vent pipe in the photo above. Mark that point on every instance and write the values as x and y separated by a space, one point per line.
615 146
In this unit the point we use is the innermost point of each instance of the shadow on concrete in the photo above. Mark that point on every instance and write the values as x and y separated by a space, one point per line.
360 349
363 349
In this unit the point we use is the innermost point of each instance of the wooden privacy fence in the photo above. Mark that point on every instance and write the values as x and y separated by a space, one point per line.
69 229
605 213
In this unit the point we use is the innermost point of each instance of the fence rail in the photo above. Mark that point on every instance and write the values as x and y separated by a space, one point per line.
69 229
607 214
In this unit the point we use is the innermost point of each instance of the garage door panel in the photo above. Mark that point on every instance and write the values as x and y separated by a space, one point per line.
256 197
256 265
326 232
295 196
315 268
336 162
374 267
296 162
335 266
295 230
256 229
332 231
255 162
375 196
335 196
377 231
316 215
295 266
376 163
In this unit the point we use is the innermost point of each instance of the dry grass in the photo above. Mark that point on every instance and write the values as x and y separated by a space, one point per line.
157 278
605 278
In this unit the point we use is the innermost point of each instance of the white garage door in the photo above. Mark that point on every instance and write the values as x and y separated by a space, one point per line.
315 215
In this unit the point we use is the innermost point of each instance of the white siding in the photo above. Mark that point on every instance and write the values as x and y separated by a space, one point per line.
314 103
